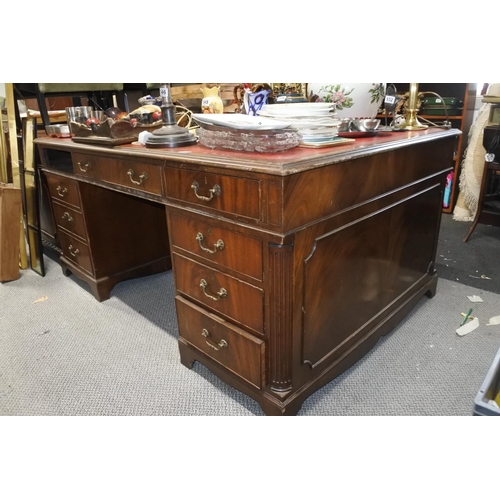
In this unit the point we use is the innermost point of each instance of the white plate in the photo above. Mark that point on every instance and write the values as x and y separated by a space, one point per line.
336 141
296 112
311 139
309 122
322 123
313 136
299 106
318 116
240 122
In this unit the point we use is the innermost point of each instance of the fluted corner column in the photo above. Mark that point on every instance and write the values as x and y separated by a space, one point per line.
281 316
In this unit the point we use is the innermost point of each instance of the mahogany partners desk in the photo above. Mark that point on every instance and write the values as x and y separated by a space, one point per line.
288 267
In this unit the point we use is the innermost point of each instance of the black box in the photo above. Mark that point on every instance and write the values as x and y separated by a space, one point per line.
435 106
489 391
491 135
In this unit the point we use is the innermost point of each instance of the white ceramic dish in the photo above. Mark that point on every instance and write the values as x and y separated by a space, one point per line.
336 141
240 122
314 138
296 112
300 106
312 126
325 118
312 134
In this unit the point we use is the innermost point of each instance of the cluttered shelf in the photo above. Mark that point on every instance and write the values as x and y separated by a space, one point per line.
459 100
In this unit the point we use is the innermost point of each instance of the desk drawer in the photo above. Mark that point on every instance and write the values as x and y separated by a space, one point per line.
230 346
231 297
137 175
76 251
70 219
217 244
232 195
64 189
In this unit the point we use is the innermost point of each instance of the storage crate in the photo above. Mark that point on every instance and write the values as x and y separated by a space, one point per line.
450 102
435 106
489 391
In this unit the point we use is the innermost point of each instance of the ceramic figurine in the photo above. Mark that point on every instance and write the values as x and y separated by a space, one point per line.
211 102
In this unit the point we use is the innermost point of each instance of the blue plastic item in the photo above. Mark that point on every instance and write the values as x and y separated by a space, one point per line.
447 190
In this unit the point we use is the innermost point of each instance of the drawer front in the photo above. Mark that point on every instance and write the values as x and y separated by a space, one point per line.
76 251
70 219
220 292
64 189
223 246
223 193
130 174
230 346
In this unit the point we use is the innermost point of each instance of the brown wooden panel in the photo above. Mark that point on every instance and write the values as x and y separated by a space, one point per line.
226 247
273 204
130 174
237 195
324 191
64 189
70 219
124 231
244 303
10 231
239 351
357 271
76 251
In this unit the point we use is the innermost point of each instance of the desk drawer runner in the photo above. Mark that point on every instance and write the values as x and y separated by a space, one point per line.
70 219
223 193
217 244
233 348
64 190
144 177
76 251
221 293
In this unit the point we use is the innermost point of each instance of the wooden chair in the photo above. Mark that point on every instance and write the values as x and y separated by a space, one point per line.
488 207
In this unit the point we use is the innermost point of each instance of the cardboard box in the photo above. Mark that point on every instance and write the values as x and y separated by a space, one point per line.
486 400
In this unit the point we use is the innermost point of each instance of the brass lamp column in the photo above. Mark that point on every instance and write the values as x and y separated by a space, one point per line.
410 121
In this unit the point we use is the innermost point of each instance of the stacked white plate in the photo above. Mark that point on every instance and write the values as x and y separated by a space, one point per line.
298 109
240 122
314 121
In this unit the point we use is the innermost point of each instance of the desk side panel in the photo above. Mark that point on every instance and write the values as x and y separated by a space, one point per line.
319 193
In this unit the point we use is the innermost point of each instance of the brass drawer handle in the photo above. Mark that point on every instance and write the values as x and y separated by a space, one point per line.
217 246
85 167
221 294
221 345
67 216
61 191
215 191
142 177
75 253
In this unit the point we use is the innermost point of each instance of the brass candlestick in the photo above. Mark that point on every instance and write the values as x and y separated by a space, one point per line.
410 121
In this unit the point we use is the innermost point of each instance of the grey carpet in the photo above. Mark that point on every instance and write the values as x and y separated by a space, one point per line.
466 263
71 355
